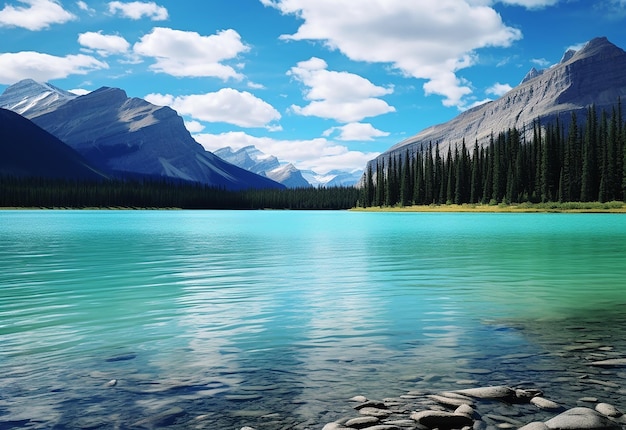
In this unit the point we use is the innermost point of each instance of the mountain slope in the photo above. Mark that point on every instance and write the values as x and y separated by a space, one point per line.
26 150
252 159
130 136
592 75
31 98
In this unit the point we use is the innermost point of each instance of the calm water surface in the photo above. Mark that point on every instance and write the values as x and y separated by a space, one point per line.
273 319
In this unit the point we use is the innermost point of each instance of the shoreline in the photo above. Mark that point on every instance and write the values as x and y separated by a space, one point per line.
571 207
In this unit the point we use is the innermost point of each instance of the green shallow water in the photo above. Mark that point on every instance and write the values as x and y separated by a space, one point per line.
241 315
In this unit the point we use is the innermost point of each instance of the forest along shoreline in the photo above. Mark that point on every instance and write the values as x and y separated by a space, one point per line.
572 207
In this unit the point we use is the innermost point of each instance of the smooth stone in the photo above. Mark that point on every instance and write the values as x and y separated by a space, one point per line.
112 383
123 357
612 362
588 399
383 427
360 399
442 420
465 410
536 425
543 403
375 412
371 404
248 428
401 423
581 419
334 426
608 410
599 382
449 401
361 422
161 419
493 392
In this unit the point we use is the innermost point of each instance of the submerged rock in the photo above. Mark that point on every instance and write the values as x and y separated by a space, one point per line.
581 418
494 392
542 403
608 410
442 420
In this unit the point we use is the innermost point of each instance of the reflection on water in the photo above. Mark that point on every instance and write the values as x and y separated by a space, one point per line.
259 318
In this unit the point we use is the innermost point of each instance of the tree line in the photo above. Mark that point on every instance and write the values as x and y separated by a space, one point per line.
63 193
558 162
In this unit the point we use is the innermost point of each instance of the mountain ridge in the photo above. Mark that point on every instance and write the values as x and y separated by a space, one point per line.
591 75
127 136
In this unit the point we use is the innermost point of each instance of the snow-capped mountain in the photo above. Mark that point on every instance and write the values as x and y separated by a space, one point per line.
594 75
252 159
127 136
30 98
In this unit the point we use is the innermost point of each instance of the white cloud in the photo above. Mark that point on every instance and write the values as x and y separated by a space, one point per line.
44 67
137 10
79 91
194 126
227 105
36 15
530 4
187 53
356 131
85 7
104 44
429 39
541 62
342 96
498 89
320 155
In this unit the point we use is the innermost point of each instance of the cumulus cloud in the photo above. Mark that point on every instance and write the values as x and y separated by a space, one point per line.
137 10
35 15
342 96
499 89
189 54
104 44
227 105
79 91
531 4
356 131
430 39
194 126
321 155
44 67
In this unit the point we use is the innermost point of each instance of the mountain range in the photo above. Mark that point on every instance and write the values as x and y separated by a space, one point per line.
593 75
125 137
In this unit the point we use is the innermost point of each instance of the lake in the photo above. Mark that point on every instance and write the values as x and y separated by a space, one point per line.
274 319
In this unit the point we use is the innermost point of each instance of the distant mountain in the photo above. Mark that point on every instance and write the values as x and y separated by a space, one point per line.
31 98
26 150
594 75
252 159
126 136
334 178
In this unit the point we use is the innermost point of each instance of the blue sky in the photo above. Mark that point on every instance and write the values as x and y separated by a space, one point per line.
323 84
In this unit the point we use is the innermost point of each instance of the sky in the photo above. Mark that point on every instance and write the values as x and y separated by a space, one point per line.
321 84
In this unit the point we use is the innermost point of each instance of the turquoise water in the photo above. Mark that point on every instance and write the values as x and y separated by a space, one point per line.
271 318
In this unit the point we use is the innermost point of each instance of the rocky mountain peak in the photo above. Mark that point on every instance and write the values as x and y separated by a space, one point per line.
593 75
31 98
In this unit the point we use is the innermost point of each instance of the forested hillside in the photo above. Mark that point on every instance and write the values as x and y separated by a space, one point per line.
562 161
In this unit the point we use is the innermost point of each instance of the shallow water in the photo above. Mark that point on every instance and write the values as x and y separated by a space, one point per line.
273 319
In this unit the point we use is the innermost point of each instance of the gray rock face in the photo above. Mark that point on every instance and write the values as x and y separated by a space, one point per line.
129 135
593 75
442 419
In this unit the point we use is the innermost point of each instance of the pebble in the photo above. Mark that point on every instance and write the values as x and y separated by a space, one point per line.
543 403
608 410
360 399
375 412
361 422
612 362
493 392
442 419
449 401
